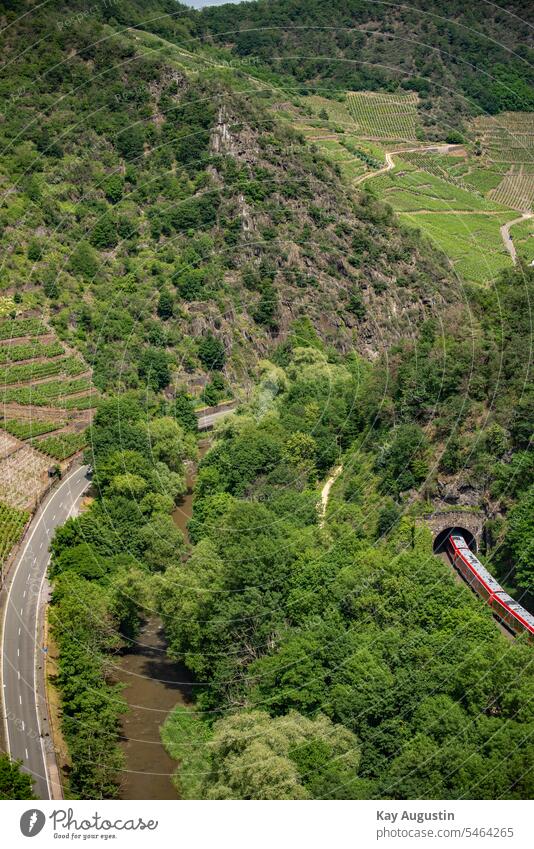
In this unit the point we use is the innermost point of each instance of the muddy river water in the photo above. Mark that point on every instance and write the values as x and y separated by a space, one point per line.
154 685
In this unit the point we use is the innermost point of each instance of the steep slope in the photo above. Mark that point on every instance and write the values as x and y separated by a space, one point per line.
459 58
172 224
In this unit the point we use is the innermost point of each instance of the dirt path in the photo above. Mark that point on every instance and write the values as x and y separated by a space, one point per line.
390 164
325 492
507 239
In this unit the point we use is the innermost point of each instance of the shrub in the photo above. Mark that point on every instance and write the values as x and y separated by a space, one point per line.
211 352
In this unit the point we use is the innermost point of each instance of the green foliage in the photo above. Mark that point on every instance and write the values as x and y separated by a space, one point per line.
61 446
130 142
12 523
25 429
154 368
14 783
214 391
113 188
520 540
165 305
265 311
402 461
35 251
211 352
29 350
18 327
104 233
184 412
92 705
251 756
106 557
84 261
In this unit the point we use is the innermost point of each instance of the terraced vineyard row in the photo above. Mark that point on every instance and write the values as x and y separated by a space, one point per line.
61 446
441 167
12 523
17 328
384 116
516 192
508 139
30 350
27 429
47 399
35 370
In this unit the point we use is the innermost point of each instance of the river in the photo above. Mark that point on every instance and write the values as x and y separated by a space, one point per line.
154 685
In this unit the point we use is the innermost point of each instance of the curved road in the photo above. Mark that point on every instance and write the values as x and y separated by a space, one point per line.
24 713
507 239
390 164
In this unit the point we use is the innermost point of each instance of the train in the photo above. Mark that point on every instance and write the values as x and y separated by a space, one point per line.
505 608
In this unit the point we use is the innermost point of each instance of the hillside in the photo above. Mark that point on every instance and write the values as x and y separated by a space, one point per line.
469 58
172 225
184 218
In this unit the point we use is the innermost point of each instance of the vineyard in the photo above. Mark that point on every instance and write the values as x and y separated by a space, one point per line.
17 328
349 165
516 191
45 391
385 116
507 143
29 428
30 350
409 189
507 139
61 446
523 236
459 195
472 241
23 478
12 523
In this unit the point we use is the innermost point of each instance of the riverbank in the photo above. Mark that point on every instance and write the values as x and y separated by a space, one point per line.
154 685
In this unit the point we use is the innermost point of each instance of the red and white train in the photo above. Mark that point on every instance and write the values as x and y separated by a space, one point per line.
505 608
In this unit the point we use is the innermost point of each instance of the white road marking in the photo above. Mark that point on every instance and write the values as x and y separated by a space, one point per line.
28 548
26 753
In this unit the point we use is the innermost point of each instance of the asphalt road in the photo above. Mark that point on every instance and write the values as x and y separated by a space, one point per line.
26 723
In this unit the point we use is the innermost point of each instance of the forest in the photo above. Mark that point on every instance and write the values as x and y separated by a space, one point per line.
338 659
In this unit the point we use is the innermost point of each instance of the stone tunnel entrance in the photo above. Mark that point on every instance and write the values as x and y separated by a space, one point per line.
440 542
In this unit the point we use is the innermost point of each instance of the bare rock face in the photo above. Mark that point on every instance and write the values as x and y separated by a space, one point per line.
327 255
460 491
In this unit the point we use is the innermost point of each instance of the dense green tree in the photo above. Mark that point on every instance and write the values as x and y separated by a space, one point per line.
165 305
113 188
104 233
130 142
252 756
84 261
184 411
14 784
154 368
211 352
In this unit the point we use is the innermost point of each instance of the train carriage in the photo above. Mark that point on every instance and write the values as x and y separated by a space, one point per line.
505 608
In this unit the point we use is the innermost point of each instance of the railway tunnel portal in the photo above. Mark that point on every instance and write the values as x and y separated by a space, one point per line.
444 522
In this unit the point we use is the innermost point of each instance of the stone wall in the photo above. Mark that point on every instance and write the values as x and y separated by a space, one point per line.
443 519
